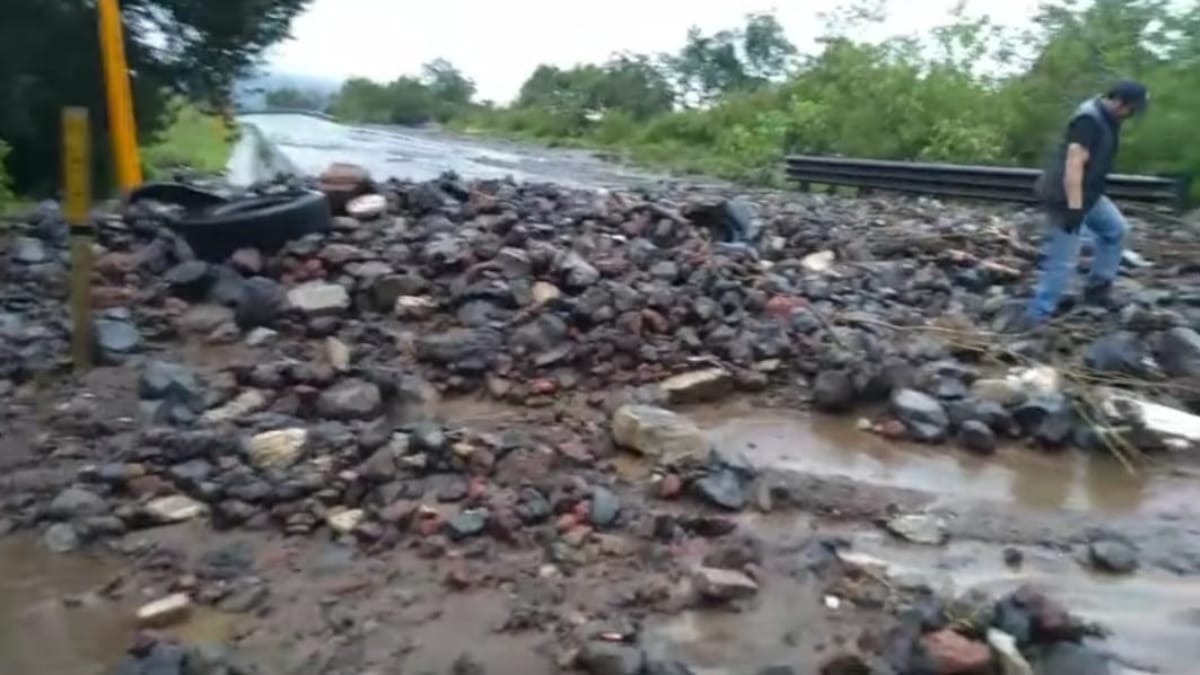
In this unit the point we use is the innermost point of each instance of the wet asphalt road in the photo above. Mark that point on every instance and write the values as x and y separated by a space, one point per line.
423 154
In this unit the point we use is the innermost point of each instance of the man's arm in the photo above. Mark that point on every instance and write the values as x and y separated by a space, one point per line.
1080 136
1077 157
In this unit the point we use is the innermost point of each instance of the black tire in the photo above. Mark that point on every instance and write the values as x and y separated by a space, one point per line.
189 197
266 223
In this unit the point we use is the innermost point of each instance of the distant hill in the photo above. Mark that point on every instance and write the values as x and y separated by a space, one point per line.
251 92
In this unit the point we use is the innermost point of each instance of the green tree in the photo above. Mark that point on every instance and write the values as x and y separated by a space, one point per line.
410 101
290 97
49 58
634 84
447 84
361 100
768 52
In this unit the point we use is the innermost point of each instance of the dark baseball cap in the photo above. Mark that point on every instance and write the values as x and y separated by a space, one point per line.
1131 92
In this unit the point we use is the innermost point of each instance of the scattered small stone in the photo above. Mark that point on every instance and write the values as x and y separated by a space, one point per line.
468 523
604 507
833 391
61 538
723 488
275 449
600 657
924 417
76 502
1012 662
246 403
721 585
698 386
367 207
338 354
175 509
260 337
165 611
1115 556
414 307
977 437
343 521
658 433
318 298
953 654
920 529
352 399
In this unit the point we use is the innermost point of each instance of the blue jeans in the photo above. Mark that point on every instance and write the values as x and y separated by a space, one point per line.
1060 248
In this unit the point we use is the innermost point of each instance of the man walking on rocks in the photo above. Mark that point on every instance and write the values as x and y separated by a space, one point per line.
1072 191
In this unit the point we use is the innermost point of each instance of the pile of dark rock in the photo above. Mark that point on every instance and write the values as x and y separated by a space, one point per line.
151 654
1024 632
531 292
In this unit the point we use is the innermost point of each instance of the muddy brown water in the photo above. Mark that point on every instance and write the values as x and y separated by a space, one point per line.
1155 617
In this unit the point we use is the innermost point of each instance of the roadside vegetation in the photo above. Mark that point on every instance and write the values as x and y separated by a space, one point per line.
732 103
7 199
190 139
50 58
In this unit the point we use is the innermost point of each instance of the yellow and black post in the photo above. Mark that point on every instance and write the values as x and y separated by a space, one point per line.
77 202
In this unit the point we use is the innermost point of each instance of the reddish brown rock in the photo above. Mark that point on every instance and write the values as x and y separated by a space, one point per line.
670 487
953 654
782 306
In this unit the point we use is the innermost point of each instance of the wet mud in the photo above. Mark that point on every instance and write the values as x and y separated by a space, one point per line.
1154 616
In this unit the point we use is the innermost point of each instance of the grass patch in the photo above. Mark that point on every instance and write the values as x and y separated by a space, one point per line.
192 139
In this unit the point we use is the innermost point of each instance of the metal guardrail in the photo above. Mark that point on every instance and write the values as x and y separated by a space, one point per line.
972 182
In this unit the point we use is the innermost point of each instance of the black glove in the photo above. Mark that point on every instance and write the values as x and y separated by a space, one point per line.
1072 220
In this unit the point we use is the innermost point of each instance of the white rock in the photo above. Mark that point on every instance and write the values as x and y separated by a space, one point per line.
1176 427
697 386
318 297
720 584
819 262
247 402
338 354
261 336
543 292
367 207
343 521
1037 380
658 433
165 611
280 448
414 306
175 509
1012 662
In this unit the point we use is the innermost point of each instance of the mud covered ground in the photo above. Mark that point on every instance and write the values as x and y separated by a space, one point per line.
439 439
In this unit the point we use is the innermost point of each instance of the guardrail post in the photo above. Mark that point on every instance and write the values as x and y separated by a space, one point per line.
77 201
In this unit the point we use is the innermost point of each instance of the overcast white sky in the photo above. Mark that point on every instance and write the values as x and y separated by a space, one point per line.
499 42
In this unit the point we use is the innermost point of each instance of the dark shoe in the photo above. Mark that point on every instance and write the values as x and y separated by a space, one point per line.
1099 295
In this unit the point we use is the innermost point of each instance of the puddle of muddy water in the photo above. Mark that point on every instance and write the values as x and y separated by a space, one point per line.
41 633
1026 477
